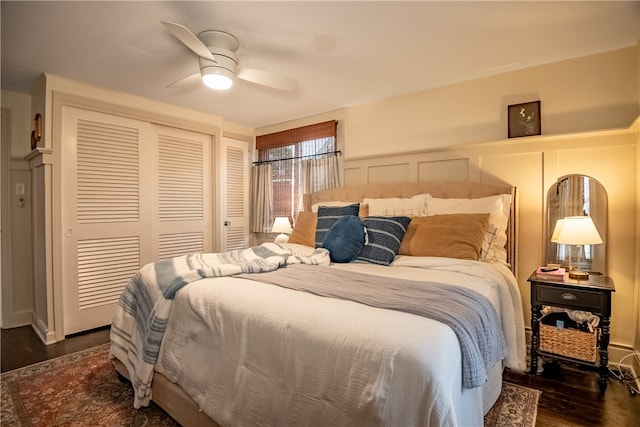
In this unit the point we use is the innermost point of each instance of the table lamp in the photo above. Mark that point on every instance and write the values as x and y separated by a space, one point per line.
556 230
281 225
577 231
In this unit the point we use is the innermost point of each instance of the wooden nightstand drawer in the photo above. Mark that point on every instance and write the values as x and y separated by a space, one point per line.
578 299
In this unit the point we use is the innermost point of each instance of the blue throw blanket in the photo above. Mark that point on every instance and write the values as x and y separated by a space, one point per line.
144 306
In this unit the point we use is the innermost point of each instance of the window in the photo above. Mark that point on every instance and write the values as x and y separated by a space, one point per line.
285 151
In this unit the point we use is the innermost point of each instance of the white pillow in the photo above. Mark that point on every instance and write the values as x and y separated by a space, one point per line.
315 206
415 206
498 208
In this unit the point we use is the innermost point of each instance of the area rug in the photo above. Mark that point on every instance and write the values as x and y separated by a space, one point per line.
83 389
80 389
516 406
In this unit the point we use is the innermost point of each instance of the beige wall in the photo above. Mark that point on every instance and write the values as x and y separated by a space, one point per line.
20 106
17 300
637 126
589 93
637 235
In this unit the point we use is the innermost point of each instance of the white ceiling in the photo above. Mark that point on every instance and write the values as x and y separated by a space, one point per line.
343 53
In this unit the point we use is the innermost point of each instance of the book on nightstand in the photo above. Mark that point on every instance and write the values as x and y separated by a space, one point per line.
552 274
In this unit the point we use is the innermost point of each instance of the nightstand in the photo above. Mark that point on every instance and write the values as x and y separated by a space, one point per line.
592 294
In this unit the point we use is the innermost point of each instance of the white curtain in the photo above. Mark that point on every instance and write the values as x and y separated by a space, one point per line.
261 198
321 173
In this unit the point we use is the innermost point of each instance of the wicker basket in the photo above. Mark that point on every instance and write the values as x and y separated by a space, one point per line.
569 342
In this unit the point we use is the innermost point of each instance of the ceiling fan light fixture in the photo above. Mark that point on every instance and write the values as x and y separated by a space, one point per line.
219 62
217 78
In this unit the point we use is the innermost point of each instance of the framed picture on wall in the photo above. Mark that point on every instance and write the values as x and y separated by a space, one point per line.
524 119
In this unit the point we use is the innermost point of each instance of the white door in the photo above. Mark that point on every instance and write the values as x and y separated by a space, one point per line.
106 204
182 220
235 190
131 193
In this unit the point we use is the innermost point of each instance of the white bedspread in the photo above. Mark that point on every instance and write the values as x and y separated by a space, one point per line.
140 320
255 354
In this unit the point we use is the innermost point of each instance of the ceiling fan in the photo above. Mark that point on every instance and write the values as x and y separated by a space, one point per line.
219 62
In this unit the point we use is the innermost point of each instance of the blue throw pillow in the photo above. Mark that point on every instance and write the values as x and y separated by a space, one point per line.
385 236
328 215
345 239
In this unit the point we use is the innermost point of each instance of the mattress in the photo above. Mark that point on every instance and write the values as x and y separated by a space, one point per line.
249 353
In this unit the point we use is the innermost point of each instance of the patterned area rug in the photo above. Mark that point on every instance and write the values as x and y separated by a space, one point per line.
516 406
83 389
79 389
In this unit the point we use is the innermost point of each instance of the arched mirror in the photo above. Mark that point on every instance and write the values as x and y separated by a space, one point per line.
577 195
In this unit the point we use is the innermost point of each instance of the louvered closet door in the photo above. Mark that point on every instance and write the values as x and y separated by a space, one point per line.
182 224
132 193
106 203
235 188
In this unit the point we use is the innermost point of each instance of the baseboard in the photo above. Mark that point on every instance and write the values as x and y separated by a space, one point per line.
45 336
636 369
20 318
627 358
617 352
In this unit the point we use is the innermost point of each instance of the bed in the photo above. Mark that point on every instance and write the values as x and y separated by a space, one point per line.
244 341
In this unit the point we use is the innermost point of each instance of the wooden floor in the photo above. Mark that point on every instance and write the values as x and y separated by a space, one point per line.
21 346
570 395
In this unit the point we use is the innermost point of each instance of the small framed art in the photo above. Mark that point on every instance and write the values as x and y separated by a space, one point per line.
524 119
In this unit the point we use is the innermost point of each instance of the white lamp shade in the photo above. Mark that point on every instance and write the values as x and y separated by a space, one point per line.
281 225
578 230
556 230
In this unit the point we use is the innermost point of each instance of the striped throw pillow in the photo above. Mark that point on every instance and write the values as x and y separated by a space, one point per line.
384 238
328 215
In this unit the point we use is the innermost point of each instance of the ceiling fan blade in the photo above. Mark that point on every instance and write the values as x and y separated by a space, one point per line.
268 78
183 34
183 80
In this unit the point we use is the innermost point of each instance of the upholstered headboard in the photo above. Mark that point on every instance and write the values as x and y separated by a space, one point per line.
458 190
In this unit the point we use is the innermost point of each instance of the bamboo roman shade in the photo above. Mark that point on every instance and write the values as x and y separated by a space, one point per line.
297 135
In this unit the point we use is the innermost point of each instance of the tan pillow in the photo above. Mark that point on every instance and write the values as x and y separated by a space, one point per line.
304 231
364 211
453 236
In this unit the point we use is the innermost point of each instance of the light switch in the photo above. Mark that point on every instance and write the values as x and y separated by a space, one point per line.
19 189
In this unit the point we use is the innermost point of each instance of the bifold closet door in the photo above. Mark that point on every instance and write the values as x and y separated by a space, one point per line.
131 193
183 193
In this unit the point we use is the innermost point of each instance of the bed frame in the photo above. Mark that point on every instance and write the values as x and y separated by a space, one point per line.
172 398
